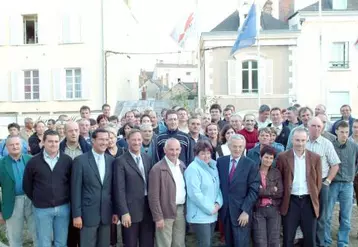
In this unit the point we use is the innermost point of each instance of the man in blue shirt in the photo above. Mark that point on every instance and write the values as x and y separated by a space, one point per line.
16 208
14 130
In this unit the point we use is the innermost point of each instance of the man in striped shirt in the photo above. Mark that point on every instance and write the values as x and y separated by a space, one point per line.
330 161
341 188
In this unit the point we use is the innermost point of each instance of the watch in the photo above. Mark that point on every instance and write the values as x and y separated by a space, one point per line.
329 181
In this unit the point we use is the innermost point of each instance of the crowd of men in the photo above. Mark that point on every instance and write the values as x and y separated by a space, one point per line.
89 182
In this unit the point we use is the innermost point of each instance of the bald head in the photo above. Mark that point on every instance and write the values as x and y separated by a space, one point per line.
315 127
319 109
172 150
72 132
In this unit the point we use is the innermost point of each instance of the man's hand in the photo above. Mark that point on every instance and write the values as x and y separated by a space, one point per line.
114 219
2 221
126 220
243 219
275 189
216 209
77 222
159 224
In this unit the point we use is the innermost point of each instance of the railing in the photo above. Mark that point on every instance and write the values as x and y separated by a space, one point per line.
250 90
339 64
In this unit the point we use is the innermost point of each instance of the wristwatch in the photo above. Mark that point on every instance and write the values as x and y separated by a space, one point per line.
328 181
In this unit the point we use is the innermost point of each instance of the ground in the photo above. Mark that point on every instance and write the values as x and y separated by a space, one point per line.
191 238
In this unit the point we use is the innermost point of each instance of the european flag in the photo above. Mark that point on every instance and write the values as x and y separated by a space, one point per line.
248 31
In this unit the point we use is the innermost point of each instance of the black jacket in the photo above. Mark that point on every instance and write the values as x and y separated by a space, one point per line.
85 147
44 187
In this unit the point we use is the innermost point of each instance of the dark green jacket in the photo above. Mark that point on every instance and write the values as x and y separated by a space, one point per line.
7 183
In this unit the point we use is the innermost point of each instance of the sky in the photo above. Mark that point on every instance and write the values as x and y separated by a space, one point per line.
157 18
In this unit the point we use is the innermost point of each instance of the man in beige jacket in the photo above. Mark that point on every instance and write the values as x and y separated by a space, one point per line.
166 196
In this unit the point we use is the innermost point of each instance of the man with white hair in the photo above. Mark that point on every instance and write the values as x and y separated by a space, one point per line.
239 183
166 196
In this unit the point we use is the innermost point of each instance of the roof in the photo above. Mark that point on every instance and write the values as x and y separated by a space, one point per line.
160 85
149 74
174 65
328 6
232 23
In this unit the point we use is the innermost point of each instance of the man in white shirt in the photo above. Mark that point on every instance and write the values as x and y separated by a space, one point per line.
166 197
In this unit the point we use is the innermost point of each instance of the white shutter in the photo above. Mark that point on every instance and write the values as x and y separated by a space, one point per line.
17 86
59 84
4 29
231 77
4 82
45 84
16 30
76 29
85 83
66 28
268 79
41 29
71 28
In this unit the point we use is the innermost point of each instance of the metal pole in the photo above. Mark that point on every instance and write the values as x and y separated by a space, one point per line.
322 87
102 64
197 31
259 67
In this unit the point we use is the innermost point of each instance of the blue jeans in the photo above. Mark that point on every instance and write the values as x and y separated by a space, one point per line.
52 223
322 219
204 234
343 193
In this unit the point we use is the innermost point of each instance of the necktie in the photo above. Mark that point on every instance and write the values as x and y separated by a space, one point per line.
141 168
232 170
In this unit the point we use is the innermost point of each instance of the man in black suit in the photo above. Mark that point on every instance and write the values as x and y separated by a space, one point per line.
130 192
91 193
239 183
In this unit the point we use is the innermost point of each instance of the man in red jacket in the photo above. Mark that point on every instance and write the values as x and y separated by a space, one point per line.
249 132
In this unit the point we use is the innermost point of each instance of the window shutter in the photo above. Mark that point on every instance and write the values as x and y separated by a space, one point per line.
85 83
232 77
45 85
17 86
59 84
4 82
16 30
4 29
66 28
268 79
41 29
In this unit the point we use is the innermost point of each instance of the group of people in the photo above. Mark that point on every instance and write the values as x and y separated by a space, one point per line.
148 181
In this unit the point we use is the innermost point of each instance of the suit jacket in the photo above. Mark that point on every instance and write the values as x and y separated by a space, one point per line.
7 183
242 192
91 199
129 186
285 163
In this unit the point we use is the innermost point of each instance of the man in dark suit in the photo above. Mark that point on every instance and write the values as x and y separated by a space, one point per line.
131 172
302 181
239 183
91 193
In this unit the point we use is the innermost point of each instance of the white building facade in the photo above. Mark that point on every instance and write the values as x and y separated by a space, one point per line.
326 57
52 56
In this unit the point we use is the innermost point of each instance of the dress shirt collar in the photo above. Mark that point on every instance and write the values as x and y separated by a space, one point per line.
298 157
237 159
134 156
47 156
96 155
171 164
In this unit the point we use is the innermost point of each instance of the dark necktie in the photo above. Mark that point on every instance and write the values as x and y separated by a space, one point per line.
232 170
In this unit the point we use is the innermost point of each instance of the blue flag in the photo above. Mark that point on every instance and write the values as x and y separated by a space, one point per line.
248 31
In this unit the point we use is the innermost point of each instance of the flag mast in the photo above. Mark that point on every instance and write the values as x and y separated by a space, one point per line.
259 65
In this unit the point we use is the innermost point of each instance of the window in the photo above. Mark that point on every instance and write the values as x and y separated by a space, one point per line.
32 85
73 84
340 55
188 73
249 77
30 29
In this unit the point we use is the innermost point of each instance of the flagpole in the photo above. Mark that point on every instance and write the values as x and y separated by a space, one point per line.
259 74
323 90
198 50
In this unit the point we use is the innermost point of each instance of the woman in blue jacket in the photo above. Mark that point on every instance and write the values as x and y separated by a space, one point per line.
204 197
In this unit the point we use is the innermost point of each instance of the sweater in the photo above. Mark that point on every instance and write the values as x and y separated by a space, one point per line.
44 187
186 152
250 137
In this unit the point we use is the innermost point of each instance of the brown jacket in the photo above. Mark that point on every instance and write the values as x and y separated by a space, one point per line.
285 163
273 179
162 191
